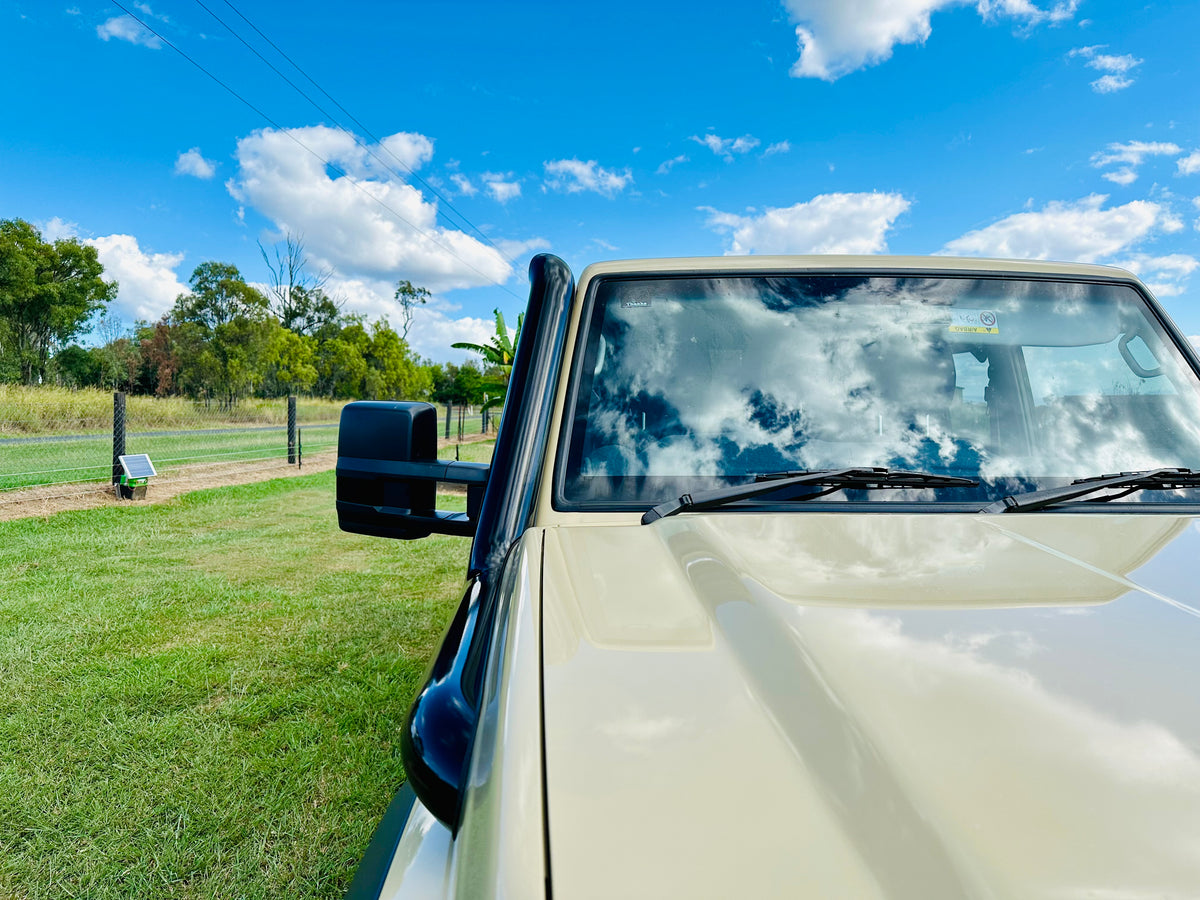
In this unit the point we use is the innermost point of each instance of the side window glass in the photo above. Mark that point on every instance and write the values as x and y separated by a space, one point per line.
969 411
1096 370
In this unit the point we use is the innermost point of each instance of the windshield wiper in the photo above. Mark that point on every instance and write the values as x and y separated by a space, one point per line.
1148 479
833 479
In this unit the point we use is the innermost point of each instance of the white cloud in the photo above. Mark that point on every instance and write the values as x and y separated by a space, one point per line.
1115 68
57 229
148 283
433 329
829 223
726 147
1129 157
838 38
571 176
1079 231
123 28
365 222
1190 164
410 149
193 163
434 332
502 190
669 164
1030 12
513 249
781 147
463 183
1108 84
1133 153
1164 275
1124 176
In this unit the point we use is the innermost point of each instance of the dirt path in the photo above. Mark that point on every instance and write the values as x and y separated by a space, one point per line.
51 499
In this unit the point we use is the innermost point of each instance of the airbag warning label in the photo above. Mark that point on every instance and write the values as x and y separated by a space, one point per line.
974 321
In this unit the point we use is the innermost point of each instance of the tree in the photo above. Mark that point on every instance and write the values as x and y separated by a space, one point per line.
467 387
393 373
120 355
48 292
297 296
410 298
77 367
499 353
295 368
225 333
313 313
342 368
160 358
219 296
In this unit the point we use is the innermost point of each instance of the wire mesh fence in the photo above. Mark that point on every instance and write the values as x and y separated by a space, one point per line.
68 441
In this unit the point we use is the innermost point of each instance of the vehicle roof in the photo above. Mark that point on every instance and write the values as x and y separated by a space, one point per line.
835 263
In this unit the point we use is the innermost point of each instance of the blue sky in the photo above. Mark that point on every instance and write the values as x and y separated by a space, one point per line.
1058 129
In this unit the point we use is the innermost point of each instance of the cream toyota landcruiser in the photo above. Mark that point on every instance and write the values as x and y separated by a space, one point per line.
841 577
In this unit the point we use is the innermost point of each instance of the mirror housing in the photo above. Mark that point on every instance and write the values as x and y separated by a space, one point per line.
388 471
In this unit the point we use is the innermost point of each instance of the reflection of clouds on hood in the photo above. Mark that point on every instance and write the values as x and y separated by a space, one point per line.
956 667
993 747
924 561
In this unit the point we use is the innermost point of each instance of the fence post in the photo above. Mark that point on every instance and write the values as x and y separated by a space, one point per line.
448 407
291 429
118 446
299 450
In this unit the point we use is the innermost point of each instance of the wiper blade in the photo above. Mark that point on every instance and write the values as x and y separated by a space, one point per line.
835 479
1149 479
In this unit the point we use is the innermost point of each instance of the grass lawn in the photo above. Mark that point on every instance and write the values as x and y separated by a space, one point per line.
203 698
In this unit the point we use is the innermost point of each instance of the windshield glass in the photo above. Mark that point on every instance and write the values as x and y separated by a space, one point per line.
694 383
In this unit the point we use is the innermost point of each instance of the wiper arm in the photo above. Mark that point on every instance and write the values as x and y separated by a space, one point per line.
1148 479
834 479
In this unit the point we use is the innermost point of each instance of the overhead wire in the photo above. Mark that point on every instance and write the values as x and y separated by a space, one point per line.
417 229
405 166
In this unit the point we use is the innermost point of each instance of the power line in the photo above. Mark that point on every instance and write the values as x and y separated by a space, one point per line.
309 150
295 65
469 225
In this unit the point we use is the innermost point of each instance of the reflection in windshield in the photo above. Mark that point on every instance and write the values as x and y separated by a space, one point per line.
695 382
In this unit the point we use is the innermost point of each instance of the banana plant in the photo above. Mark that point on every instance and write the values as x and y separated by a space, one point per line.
499 353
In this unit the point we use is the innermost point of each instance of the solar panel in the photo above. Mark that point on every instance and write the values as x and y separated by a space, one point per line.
137 465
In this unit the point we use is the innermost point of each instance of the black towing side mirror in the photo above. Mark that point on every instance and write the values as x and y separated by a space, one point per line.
388 471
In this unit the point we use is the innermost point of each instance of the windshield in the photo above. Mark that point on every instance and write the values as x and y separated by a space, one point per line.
690 383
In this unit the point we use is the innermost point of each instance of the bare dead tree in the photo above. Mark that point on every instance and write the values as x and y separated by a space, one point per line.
293 285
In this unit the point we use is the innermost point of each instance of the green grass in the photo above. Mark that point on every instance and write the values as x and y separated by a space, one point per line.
203 698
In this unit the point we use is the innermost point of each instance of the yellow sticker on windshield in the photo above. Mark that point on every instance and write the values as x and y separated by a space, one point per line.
974 321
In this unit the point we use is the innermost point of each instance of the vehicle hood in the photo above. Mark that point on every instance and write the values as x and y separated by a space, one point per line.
874 705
